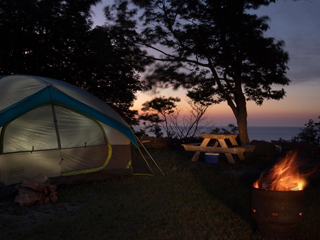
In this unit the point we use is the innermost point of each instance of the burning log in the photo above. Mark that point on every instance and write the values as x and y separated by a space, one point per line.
39 191
284 176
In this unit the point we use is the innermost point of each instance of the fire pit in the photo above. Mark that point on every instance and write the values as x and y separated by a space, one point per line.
277 199
277 213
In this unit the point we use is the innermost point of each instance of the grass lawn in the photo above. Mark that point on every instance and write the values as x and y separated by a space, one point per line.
193 201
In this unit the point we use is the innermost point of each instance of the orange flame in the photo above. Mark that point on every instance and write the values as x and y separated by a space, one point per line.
284 176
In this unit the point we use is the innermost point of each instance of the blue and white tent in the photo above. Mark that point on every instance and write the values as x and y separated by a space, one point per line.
52 128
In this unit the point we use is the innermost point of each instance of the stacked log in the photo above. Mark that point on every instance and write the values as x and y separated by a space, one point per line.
38 191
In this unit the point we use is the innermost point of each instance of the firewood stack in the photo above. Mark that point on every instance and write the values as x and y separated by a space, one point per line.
38 191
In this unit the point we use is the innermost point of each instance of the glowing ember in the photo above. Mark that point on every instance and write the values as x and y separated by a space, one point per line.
284 176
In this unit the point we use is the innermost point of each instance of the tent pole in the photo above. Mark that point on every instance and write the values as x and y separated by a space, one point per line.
151 157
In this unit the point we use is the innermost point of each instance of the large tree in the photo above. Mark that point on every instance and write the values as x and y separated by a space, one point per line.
43 37
113 61
54 38
217 49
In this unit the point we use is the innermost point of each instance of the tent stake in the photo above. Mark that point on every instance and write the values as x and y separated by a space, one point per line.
150 156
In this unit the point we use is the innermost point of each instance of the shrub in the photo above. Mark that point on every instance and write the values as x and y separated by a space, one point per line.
310 134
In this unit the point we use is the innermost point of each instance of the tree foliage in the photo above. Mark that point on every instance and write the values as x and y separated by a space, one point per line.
160 108
43 36
216 49
54 38
232 130
310 134
163 111
151 122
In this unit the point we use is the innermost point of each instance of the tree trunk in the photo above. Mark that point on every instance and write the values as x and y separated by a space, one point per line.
238 106
240 112
243 130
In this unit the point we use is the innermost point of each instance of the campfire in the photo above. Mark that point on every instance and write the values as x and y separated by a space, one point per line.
284 176
277 198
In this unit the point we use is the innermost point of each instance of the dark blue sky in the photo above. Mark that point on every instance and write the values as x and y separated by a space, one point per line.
298 24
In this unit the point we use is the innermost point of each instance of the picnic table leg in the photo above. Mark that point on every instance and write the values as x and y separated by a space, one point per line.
195 156
230 158
203 144
233 141
241 156
228 155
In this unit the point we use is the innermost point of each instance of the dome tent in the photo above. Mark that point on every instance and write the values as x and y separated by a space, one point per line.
52 128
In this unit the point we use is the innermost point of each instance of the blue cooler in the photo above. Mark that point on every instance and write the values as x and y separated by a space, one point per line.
211 158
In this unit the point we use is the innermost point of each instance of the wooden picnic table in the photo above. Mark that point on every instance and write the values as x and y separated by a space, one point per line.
220 146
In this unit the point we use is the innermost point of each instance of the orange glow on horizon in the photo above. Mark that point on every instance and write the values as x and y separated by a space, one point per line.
294 110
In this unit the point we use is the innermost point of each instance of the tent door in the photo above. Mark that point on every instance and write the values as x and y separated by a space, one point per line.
81 140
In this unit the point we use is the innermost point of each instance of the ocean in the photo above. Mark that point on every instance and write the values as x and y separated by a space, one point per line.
266 133
273 133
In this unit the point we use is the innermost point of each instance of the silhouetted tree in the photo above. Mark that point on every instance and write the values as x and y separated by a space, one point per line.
232 130
310 134
54 38
190 124
162 107
43 37
216 49
164 111
152 122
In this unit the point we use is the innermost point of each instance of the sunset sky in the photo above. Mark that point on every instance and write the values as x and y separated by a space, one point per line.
298 24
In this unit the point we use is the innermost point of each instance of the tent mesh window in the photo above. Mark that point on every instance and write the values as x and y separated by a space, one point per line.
76 130
26 133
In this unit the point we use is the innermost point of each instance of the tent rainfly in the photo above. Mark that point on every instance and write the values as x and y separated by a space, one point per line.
52 128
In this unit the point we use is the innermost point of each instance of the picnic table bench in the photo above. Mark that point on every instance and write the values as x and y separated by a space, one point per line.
220 146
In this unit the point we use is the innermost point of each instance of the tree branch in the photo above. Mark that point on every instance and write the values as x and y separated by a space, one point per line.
172 58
